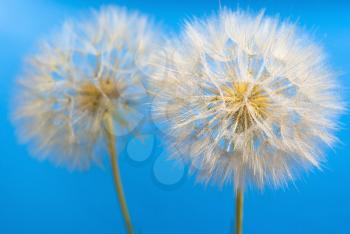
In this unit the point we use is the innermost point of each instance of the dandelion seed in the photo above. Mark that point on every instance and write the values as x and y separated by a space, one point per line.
84 87
248 99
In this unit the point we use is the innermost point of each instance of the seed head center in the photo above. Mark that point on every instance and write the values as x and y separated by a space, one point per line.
245 102
91 96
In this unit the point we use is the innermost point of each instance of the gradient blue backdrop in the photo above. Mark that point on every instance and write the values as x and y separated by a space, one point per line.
37 197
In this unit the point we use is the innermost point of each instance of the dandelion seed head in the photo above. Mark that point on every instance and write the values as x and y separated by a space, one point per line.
247 98
88 69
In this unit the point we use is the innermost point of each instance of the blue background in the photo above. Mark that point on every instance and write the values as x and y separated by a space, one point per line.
38 197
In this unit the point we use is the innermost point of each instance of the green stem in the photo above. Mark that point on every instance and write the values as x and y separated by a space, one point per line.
116 173
239 211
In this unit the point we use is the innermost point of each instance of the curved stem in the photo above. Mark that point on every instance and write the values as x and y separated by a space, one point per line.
239 211
116 173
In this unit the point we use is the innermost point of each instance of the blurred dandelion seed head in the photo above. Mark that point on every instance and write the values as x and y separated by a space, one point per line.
247 98
89 68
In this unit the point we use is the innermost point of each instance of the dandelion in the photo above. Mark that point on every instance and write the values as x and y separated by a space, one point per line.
83 87
248 99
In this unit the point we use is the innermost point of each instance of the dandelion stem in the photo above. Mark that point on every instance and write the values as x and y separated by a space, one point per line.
239 211
116 173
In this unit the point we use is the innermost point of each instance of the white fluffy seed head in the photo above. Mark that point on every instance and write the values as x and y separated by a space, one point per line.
86 70
247 98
